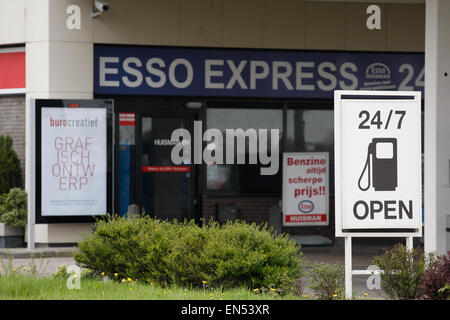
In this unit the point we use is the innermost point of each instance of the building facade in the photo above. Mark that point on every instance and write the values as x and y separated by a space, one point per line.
263 64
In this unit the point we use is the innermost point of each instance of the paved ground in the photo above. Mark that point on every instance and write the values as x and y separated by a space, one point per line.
360 262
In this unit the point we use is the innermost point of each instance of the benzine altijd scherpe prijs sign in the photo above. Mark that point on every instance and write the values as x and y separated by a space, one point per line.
74 161
378 165
305 189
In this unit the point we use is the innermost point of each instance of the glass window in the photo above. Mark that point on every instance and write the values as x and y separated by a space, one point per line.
311 131
244 177
127 149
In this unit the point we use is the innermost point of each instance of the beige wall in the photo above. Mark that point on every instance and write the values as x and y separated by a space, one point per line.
281 24
278 24
12 21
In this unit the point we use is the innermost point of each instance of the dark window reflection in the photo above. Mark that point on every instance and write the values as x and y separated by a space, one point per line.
244 178
311 131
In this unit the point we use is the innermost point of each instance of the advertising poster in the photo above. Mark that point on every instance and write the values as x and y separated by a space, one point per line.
74 161
305 189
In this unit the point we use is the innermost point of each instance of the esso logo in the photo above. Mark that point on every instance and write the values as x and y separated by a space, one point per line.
306 206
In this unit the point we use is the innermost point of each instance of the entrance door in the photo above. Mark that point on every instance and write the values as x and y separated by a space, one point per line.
167 191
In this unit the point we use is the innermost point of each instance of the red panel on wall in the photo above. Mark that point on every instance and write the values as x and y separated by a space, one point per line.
127 119
12 70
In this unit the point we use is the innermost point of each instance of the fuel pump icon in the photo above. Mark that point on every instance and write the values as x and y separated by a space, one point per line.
381 165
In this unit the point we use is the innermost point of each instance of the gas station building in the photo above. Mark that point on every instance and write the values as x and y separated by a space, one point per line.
263 64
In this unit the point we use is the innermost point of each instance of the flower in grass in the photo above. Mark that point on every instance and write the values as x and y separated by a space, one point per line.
124 280
334 295
116 275
14 269
102 273
272 289
204 282
131 289
129 279
365 294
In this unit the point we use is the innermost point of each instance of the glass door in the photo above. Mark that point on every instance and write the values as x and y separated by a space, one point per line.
167 191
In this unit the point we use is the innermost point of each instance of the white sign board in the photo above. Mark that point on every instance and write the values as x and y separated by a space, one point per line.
305 189
378 160
74 161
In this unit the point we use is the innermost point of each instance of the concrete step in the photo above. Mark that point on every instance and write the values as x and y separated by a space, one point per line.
50 252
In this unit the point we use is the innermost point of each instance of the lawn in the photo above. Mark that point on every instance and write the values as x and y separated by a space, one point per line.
21 287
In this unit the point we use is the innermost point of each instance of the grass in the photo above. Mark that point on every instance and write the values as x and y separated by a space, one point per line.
27 283
18 286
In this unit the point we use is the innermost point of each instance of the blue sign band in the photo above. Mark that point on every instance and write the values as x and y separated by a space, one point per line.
141 70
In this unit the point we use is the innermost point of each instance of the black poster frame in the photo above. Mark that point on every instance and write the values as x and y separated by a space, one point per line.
108 104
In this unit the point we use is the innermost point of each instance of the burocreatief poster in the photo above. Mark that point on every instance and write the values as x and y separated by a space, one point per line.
74 161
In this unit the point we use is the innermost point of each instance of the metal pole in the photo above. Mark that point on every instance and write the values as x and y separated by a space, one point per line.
30 173
30 231
348 268
409 243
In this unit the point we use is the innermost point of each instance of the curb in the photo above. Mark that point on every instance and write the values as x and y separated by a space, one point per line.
23 253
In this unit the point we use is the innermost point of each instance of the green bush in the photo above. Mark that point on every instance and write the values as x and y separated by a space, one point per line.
437 277
10 171
134 248
235 254
402 272
445 290
13 208
327 281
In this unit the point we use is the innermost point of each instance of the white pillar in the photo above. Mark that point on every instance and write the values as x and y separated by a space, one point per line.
59 65
437 128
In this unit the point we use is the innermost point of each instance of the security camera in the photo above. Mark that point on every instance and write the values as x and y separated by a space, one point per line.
101 5
99 8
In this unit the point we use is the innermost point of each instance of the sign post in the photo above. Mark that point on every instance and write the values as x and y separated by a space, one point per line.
377 167
305 189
